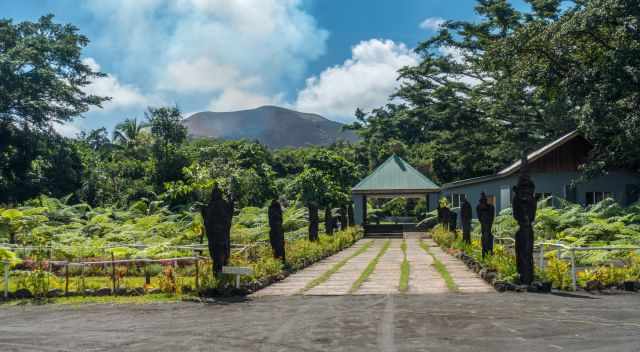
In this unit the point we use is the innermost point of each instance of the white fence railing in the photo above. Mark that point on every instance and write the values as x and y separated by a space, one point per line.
562 251
194 248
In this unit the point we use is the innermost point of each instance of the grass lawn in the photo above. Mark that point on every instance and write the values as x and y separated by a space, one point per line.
149 298
97 282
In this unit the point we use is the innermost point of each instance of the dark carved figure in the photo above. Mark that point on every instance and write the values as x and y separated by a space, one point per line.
276 233
444 216
453 221
524 211
465 221
313 223
343 218
328 221
486 214
217 217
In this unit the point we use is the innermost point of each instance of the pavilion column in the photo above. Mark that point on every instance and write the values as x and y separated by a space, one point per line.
364 209
426 197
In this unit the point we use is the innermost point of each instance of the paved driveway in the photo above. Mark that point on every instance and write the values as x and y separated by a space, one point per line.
385 256
431 322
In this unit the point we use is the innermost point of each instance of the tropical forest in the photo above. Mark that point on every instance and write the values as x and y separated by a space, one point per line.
133 210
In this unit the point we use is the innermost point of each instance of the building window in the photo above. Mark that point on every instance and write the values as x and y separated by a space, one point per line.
456 199
596 197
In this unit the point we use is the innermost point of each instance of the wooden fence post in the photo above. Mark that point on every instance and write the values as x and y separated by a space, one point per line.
6 280
113 273
147 277
197 275
66 279
82 277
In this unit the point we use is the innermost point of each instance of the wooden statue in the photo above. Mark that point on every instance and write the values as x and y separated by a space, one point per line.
217 217
453 221
465 221
343 218
444 216
276 233
328 221
486 215
524 211
313 222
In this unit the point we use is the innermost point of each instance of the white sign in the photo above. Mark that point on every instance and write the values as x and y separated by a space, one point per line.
236 270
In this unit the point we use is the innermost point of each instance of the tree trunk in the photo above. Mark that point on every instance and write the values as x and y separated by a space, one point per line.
217 217
12 237
313 223
276 233
328 221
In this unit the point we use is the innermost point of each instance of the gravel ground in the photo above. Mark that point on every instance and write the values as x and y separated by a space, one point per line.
447 322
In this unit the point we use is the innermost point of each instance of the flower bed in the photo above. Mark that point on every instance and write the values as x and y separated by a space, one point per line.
500 268
39 280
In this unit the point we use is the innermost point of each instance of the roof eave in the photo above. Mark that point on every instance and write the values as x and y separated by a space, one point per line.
539 153
395 191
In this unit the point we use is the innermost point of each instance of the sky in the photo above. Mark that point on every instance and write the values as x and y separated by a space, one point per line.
319 56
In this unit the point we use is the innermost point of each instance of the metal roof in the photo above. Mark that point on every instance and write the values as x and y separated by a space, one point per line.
531 157
395 176
513 168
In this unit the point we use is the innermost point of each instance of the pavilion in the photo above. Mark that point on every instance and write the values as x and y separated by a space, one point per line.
393 178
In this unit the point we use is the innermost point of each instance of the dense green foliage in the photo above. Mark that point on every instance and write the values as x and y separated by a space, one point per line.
482 93
602 224
516 79
41 80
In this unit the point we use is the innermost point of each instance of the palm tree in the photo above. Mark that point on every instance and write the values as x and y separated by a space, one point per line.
127 132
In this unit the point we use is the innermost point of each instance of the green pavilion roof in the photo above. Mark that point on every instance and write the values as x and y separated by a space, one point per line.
395 176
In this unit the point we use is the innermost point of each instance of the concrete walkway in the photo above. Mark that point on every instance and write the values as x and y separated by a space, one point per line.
340 283
423 277
385 278
466 280
296 282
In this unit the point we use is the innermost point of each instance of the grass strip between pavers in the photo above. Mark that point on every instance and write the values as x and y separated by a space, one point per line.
337 266
370 268
441 269
404 270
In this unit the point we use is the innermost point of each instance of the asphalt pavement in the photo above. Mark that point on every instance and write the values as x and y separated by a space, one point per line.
432 322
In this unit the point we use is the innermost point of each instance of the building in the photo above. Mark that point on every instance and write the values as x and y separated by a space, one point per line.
393 178
554 170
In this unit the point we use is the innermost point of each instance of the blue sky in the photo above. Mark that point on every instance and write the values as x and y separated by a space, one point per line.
321 56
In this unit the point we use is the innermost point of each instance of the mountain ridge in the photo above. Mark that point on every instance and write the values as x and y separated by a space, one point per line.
274 126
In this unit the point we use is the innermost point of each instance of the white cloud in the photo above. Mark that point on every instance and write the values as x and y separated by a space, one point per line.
187 76
122 95
199 49
68 129
432 23
456 54
365 81
233 99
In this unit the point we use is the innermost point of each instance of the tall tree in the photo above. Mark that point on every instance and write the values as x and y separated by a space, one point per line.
169 134
127 132
42 73
315 189
42 77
